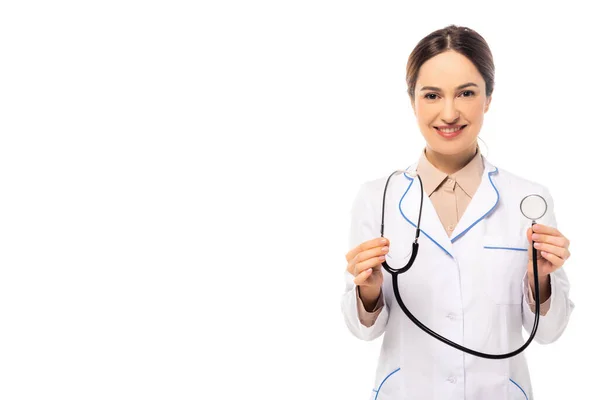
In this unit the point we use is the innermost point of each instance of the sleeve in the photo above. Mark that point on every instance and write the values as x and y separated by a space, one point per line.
363 226
543 307
368 318
551 325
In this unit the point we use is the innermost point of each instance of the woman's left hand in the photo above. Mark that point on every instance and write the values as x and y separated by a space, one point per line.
552 249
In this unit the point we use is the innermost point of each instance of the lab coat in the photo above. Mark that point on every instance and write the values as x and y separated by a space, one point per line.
470 287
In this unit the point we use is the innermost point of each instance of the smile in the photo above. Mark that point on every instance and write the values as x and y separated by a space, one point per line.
450 133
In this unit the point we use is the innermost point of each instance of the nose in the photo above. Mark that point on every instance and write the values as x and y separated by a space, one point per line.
450 113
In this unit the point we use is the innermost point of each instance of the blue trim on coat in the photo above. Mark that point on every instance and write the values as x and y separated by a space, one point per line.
412 180
384 379
489 211
524 394
505 248
398 369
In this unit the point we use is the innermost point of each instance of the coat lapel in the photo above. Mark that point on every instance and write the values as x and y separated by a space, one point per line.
483 202
431 227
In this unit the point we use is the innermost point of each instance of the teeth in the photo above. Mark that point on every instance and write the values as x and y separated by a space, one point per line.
449 130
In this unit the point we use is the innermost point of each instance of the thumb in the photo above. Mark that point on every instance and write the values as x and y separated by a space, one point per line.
529 233
529 251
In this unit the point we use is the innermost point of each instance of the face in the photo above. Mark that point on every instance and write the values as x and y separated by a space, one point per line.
450 92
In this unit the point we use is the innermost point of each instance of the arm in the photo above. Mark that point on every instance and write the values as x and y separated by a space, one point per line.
363 324
559 306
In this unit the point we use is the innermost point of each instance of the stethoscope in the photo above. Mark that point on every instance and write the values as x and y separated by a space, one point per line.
532 206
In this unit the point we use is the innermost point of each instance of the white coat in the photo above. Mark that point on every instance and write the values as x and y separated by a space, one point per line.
470 287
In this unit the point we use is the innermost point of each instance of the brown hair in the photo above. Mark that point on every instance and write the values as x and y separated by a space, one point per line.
460 39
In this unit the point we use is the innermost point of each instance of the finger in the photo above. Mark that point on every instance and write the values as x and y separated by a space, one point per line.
369 244
560 241
361 278
374 262
374 252
539 228
529 252
364 256
556 250
556 261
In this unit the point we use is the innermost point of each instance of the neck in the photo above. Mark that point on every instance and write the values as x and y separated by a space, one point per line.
450 163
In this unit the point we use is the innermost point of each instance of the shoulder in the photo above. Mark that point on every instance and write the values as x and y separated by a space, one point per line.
376 186
512 187
515 182
370 196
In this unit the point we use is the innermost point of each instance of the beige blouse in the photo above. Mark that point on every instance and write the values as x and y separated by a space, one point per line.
450 195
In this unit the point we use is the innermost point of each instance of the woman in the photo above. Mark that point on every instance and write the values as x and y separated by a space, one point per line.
472 279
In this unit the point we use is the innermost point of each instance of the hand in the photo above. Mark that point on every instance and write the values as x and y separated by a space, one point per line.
552 249
364 263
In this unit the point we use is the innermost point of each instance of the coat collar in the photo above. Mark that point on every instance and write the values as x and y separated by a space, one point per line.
484 200
468 177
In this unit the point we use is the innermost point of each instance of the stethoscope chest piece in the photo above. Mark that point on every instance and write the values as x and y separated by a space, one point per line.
534 206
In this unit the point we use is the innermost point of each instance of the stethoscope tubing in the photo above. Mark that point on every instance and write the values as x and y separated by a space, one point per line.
415 248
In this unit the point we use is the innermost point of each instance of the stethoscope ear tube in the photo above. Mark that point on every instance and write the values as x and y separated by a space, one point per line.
415 249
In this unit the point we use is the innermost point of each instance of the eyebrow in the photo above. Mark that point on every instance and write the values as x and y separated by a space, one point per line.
457 88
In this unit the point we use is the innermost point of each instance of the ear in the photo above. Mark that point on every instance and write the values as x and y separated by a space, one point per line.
487 103
412 103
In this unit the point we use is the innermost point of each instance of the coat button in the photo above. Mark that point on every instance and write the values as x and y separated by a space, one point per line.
451 379
451 316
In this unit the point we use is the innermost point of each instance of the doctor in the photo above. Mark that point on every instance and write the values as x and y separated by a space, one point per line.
472 279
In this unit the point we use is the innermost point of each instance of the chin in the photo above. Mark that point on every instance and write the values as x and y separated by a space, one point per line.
450 147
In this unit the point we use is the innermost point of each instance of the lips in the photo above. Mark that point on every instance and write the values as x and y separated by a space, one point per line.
452 133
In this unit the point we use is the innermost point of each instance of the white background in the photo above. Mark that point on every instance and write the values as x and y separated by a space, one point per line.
176 180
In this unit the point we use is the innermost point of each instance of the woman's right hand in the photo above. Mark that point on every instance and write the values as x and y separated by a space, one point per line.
364 263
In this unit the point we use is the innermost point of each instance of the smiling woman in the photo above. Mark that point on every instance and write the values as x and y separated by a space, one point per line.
450 78
472 279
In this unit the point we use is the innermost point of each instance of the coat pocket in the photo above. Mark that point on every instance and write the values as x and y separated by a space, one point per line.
504 264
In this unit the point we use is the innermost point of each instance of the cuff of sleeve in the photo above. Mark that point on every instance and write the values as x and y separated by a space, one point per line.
368 318
545 306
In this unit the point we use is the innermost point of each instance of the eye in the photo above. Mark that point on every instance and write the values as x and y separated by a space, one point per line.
430 94
472 93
